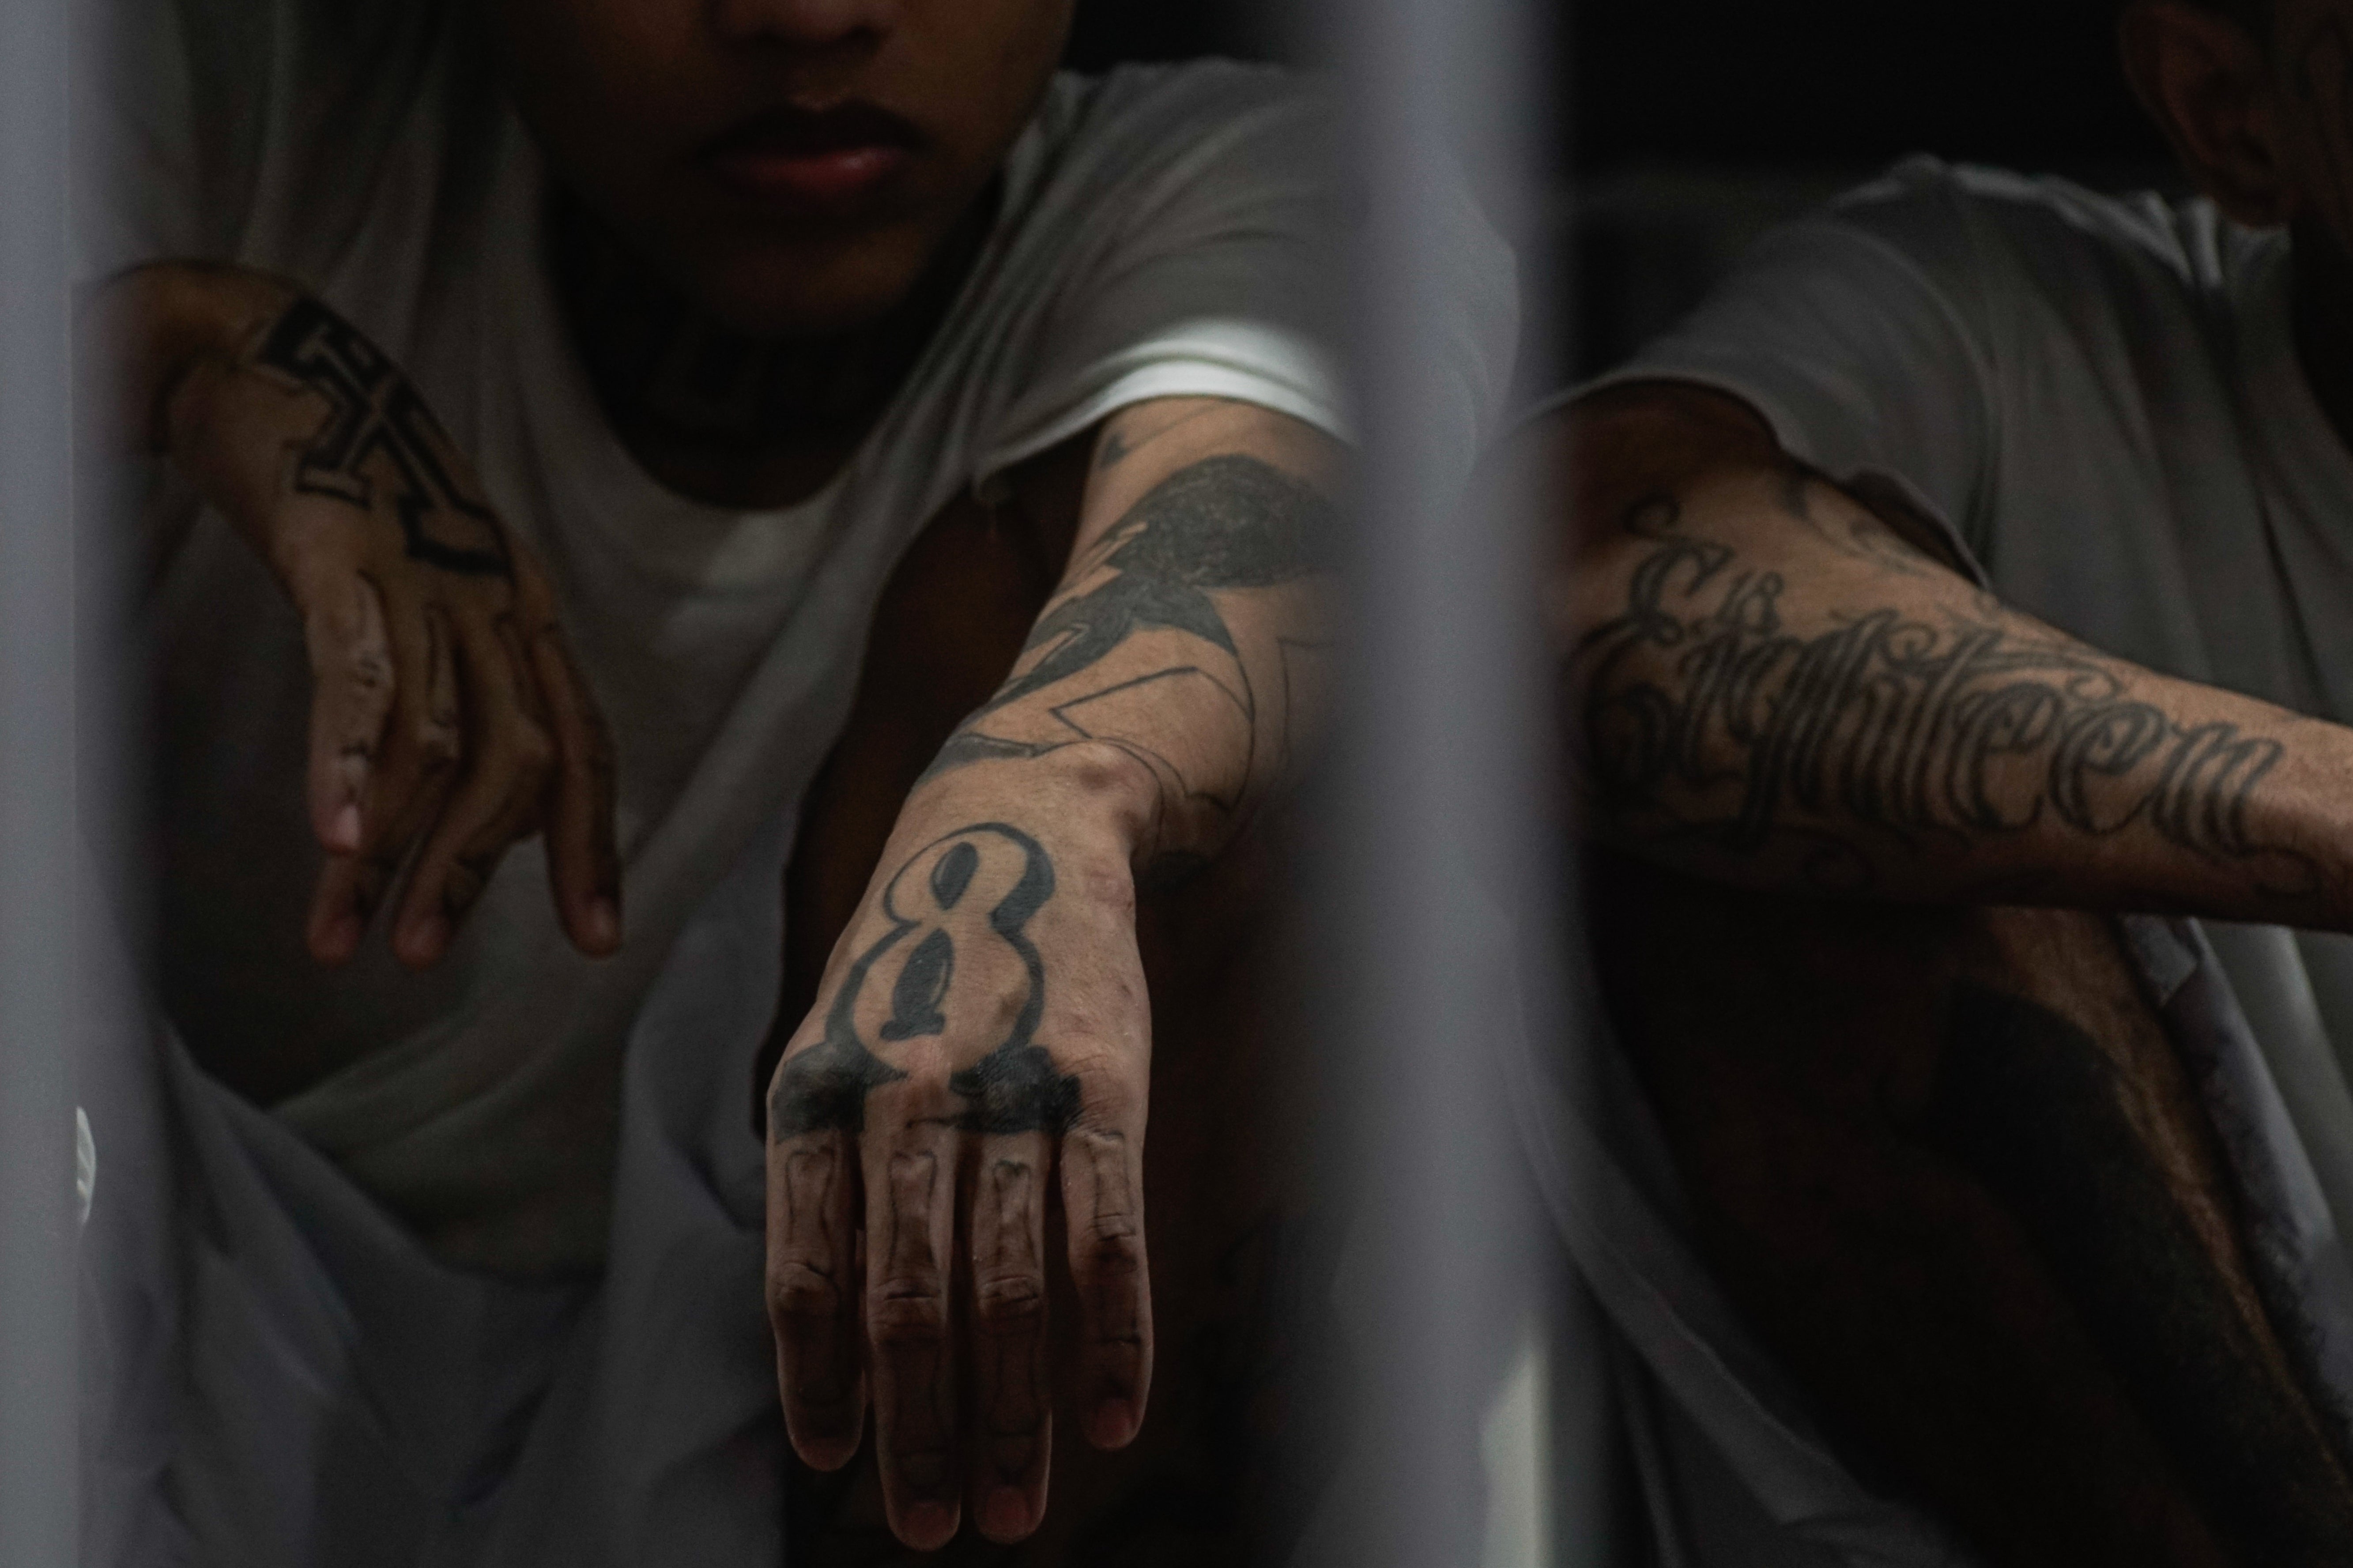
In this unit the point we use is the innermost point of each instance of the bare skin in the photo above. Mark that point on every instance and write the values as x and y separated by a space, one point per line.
980 1042
1222 1467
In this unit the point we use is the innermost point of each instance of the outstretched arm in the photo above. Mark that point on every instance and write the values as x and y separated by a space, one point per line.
1186 639
1768 682
981 1042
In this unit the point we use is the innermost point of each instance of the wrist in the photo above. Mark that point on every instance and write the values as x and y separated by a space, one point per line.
159 322
1088 790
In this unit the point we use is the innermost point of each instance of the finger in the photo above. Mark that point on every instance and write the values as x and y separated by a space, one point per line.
351 688
1102 1202
910 1229
498 797
410 778
1012 1381
583 862
813 1293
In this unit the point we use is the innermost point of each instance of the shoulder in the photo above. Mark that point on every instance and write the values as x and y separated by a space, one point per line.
1985 234
1175 231
1140 139
1968 279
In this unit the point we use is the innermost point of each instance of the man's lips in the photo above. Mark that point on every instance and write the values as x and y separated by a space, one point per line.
813 158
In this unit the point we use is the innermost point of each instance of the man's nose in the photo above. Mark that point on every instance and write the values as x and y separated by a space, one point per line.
803 21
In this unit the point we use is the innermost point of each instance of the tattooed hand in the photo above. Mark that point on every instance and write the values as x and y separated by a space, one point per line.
980 1048
980 1042
449 719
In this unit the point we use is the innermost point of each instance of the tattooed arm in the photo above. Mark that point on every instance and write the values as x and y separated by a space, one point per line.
449 719
1187 637
1768 682
981 1040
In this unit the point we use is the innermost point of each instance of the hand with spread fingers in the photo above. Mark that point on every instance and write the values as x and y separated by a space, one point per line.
448 718
972 1081
978 1058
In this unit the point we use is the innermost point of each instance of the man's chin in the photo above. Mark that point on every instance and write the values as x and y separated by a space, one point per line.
776 292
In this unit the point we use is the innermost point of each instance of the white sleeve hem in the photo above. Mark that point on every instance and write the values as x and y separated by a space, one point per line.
1245 362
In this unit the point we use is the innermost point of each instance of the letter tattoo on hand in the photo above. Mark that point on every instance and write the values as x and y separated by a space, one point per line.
379 429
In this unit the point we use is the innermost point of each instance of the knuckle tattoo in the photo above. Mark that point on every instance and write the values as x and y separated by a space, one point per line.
962 904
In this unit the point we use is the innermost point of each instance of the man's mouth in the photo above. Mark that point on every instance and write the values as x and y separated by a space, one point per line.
813 159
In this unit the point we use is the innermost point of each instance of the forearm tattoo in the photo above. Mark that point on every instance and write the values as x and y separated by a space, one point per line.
1699 716
960 906
1222 524
379 432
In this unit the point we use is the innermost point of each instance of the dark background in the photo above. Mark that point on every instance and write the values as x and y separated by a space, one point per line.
1690 125
1736 83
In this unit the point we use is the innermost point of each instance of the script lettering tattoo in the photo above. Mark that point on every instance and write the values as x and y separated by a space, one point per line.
1225 523
379 432
1852 533
1704 719
935 925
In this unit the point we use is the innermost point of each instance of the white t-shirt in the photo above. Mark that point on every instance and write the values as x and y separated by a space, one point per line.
1164 232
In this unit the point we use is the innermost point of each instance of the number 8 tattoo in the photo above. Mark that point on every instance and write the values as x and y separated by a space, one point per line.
1013 1088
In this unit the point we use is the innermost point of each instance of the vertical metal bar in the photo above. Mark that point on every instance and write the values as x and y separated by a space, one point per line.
1446 865
38 1420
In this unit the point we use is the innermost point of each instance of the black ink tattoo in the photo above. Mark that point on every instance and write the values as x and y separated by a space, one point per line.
1225 523
1117 449
1703 719
1853 534
1015 1088
379 429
